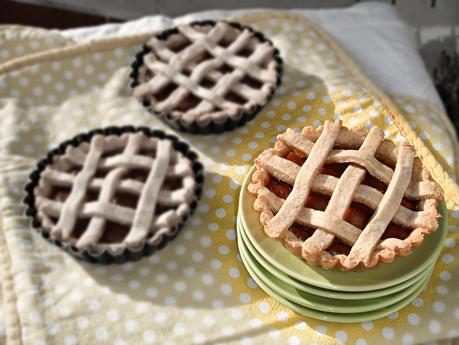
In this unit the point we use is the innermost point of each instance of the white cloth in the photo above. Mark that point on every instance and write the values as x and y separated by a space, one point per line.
372 33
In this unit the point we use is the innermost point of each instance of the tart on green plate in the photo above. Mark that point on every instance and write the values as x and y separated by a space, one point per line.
380 277
344 198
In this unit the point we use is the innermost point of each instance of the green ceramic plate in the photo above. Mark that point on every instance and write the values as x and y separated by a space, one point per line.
322 303
376 278
319 291
332 317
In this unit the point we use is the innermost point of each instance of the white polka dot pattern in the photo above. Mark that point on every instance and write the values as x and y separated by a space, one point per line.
197 282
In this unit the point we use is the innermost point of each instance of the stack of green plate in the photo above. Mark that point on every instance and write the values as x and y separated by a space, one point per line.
332 295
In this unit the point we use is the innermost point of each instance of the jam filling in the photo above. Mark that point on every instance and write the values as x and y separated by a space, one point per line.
357 214
235 98
180 44
253 83
207 83
203 56
189 102
164 92
245 52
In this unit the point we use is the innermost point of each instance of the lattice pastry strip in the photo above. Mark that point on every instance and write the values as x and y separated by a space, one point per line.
366 154
213 75
343 194
416 189
326 184
362 249
104 166
285 218
310 217
187 70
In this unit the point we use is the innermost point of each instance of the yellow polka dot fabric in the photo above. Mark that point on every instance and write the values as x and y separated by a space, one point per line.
194 291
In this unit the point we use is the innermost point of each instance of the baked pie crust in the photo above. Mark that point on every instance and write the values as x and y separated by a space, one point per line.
344 198
200 75
115 190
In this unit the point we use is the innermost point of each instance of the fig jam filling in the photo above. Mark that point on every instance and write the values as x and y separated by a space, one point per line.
357 214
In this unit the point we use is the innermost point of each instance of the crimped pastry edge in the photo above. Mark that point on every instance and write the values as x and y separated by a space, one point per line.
387 250
112 254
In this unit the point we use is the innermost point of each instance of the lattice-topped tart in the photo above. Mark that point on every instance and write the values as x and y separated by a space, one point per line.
115 194
206 77
344 198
